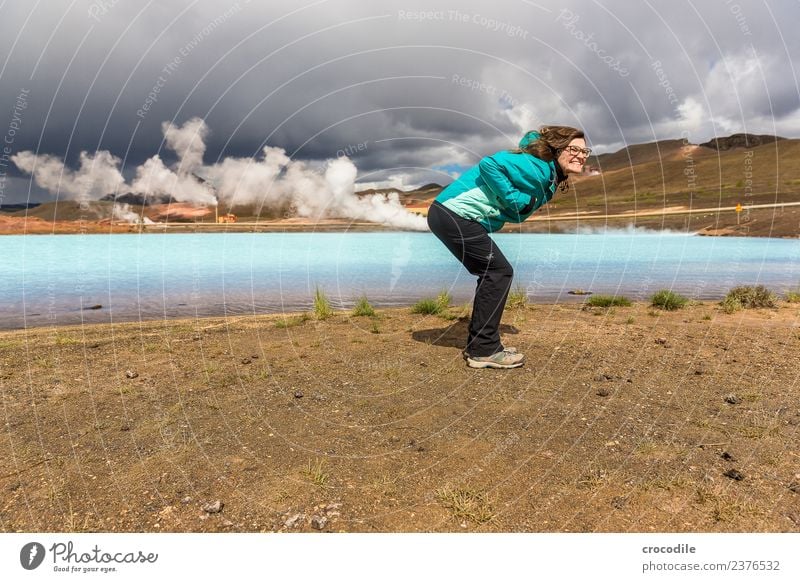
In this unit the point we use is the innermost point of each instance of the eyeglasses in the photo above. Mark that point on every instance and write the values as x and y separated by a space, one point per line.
575 150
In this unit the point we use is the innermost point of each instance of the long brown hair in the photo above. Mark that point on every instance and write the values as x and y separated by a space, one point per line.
552 139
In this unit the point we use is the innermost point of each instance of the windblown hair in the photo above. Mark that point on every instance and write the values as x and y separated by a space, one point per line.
552 139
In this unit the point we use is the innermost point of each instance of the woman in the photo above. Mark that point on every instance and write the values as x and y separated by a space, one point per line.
508 186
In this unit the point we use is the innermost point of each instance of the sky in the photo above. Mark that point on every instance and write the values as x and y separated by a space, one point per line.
410 92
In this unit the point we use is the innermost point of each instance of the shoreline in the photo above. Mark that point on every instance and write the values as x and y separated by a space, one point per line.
778 220
93 314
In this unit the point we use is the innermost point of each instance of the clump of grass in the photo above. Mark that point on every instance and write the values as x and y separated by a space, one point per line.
592 480
363 308
322 306
467 504
427 307
707 317
669 300
608 301
630 320
292 321
444 299
748 297
430 306
315 471
375 328
793 295
517 298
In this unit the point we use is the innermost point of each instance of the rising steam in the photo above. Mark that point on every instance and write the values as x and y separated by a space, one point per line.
272 180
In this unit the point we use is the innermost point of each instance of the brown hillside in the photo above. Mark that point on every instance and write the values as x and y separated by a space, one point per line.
692 177
70 210
637 154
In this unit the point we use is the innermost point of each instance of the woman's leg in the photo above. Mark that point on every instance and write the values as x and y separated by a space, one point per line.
472 245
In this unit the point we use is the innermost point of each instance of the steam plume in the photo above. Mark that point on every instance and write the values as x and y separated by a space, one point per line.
272 180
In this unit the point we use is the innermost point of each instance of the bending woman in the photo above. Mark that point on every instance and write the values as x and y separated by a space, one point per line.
508 186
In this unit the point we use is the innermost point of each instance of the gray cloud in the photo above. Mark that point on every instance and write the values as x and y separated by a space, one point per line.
422 85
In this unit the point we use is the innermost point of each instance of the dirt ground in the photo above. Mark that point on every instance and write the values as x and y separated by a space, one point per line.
625 420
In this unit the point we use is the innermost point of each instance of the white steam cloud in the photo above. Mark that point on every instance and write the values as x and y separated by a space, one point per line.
273 181
97 176
124 213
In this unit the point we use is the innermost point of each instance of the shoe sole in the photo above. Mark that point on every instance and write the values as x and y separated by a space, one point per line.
475 364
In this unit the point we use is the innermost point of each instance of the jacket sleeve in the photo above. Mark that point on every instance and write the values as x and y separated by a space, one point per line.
507 194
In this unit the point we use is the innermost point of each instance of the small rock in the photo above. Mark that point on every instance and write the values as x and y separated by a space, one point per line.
94 346
125 427
245 360
619 502
727 456
733 474
298 394
254 357
319 522
699 372
293 520
130 374
215 507
794 487
97 306
196 338
603 392
732 399
186 500
227 523
662 341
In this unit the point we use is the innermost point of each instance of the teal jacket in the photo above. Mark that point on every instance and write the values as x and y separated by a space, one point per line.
504 187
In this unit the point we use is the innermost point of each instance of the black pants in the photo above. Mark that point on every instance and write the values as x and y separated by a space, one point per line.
471 244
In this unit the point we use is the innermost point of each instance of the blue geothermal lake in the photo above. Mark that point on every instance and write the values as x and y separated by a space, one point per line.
52 279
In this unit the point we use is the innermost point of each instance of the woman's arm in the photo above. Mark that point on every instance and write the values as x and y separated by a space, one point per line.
508 195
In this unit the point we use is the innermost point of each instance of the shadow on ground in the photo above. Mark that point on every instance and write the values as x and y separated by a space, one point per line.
455 335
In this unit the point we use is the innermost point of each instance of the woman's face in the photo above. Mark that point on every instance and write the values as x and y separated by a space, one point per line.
572 157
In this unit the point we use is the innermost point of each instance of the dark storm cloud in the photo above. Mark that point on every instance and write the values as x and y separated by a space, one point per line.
461 78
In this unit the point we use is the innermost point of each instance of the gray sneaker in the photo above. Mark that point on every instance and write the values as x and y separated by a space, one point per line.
503 359
509 350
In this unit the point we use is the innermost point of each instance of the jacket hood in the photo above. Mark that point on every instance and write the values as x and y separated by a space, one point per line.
529 137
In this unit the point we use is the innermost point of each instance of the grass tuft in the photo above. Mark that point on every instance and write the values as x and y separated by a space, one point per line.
467 504
517 298
669 300
608 301
430 306
748 297
315 472
363 308
793 296
322 306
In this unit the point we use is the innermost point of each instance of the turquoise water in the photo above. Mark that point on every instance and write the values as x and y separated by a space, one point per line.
54 279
